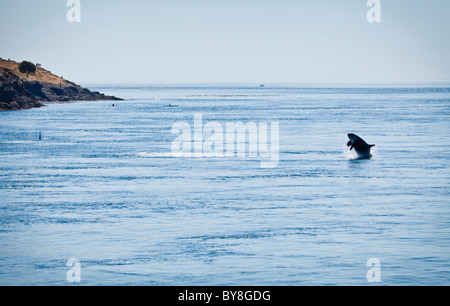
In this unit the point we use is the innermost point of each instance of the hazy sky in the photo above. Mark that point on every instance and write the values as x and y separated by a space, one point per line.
252 41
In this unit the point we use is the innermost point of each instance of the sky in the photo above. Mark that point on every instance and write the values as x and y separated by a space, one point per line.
231 41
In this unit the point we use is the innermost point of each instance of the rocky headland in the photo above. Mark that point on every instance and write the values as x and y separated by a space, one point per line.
28 90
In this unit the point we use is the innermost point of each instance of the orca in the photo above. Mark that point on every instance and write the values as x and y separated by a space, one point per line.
361 147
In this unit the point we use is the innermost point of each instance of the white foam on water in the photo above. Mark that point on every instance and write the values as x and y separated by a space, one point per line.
352 155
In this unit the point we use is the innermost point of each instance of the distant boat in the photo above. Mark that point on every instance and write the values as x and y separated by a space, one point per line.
170 105
262 85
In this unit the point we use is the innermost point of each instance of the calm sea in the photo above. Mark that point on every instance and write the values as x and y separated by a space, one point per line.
103 187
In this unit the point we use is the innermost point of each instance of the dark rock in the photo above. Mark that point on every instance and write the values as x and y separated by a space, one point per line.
13 95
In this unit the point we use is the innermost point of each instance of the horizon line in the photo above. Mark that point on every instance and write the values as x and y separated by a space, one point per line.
275 84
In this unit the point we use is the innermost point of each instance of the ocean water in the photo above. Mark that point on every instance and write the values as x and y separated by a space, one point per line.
102 186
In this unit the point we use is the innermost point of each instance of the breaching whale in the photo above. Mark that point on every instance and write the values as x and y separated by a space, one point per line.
361 147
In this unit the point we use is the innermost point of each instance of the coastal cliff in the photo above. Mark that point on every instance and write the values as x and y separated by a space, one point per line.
23 91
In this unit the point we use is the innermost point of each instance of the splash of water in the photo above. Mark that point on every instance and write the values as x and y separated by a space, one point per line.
352 155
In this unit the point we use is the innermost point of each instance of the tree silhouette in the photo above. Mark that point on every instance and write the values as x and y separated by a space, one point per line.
27 67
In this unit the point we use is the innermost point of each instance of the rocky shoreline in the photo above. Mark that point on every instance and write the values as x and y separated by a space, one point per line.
18 93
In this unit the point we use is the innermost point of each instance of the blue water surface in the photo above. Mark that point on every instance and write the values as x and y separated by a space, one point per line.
102 186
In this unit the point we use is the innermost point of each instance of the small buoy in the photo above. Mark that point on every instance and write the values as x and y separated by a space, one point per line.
40 136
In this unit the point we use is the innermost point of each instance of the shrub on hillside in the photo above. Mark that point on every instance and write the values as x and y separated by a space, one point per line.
27 67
